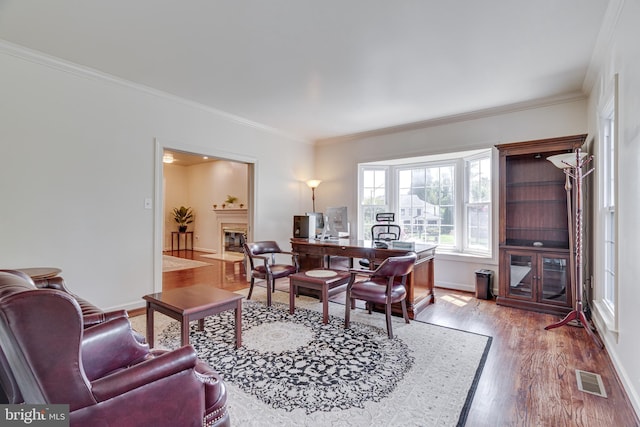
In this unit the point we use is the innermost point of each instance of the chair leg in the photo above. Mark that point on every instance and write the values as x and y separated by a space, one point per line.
404 310
269 293
347 310
251 288
387 312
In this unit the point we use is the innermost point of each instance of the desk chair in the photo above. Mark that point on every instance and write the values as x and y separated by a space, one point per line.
383 232
385 286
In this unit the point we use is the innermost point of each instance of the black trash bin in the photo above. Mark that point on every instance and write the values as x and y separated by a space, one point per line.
483 284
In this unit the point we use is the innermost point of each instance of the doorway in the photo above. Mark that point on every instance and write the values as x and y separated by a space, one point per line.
201 163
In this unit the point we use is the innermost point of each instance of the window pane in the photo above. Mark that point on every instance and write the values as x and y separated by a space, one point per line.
608 211
478 207
479 180
610 256
374 198
478 226
427 204
374 187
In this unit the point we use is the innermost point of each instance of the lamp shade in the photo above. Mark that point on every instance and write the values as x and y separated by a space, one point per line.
313 183
565 160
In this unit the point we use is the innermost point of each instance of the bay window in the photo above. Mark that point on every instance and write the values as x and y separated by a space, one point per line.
443 199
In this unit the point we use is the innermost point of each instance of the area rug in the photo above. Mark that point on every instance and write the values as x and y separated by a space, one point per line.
227 256
172 263
292 370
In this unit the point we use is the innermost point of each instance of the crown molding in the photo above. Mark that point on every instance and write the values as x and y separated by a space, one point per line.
41 58
463 117
603 43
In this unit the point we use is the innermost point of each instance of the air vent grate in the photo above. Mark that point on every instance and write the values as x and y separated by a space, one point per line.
590 383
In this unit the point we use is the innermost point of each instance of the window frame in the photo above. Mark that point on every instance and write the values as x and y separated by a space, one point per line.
607 288
364 227
467 248
454 163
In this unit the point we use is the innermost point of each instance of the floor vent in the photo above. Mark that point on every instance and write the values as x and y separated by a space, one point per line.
590 383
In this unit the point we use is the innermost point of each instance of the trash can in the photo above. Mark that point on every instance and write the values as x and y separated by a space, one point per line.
483 284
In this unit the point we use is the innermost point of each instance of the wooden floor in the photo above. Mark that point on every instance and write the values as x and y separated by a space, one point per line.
529 376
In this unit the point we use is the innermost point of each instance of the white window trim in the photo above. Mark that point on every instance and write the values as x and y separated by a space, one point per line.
455 163
465 244
388 202
608 109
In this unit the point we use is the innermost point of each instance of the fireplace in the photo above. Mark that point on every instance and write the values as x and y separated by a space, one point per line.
233 239
232 226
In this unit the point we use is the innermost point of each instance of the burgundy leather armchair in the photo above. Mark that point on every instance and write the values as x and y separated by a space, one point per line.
263 264
385 285
91 315
105 375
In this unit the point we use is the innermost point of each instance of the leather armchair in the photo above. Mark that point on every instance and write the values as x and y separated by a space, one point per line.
385 285
105 375
91 315
262 261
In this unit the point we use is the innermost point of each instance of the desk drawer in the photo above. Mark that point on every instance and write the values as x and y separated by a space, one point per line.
350 252
308 249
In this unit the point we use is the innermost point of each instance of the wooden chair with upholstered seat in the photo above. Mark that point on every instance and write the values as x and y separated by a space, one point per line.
263 264
385 285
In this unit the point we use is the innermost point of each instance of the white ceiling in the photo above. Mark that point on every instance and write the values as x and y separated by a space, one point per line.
315 69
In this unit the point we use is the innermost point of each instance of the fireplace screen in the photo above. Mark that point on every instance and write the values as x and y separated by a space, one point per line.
233 239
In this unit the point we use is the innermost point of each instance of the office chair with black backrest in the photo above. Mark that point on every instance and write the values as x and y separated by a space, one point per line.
383 232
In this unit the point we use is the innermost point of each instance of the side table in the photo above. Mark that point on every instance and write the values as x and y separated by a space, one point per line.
328 282
187 235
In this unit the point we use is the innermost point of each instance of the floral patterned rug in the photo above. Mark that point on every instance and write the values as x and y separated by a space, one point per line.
294 371
294 361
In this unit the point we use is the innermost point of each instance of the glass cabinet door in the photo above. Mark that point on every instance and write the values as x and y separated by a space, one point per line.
521 275
555 279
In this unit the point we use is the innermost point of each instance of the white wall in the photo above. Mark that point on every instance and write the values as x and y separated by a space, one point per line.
621 55
78 160
336 164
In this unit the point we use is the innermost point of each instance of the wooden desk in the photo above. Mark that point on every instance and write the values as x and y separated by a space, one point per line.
419 285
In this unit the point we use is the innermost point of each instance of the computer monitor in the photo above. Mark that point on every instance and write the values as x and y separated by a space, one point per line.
319 224
337 222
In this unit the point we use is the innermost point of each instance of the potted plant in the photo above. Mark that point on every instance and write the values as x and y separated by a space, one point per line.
183 216
231 200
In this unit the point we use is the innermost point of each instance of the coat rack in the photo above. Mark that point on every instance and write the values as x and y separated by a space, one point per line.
572 165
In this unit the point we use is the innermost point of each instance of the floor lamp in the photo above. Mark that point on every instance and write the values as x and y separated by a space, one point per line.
313 184
573 164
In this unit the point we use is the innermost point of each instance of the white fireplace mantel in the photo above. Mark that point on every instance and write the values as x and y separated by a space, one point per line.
229 218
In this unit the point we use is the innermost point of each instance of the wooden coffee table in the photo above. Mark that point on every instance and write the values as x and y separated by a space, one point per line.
193 303
327 281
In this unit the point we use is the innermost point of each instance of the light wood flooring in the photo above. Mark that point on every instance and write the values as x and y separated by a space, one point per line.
529 376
